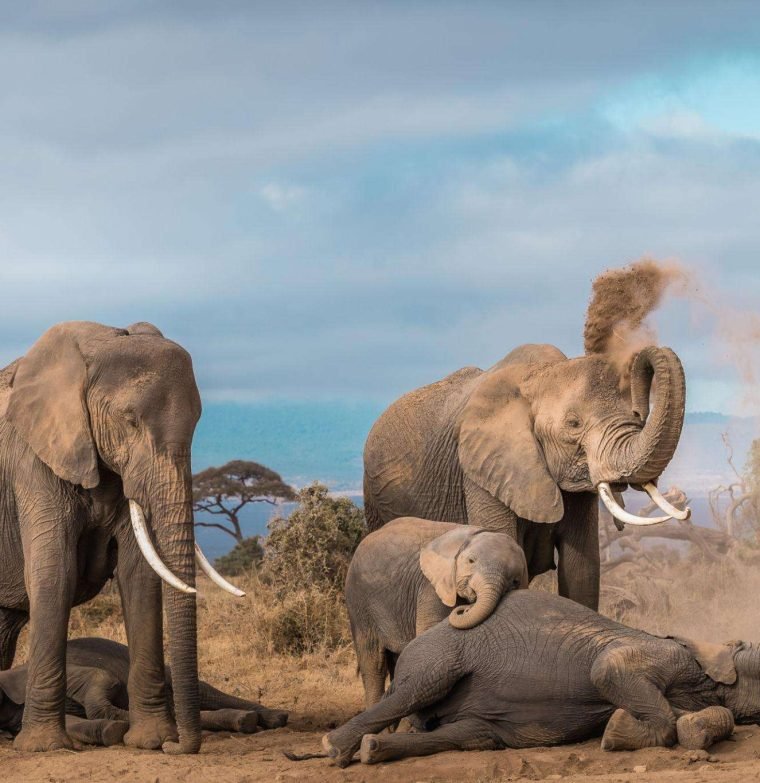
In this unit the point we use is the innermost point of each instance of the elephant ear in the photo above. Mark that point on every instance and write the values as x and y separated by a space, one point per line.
438 560
499 452
715 660
48 406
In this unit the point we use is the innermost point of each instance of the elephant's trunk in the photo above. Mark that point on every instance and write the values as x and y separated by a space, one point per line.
645 455
488 594
172 518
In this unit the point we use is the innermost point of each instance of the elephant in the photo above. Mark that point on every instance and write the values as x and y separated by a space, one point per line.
97 699
545 670
96 426
525 447
433 564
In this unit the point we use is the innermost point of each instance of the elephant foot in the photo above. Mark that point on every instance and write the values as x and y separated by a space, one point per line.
272 719
150 733
114 732
341 758
38 739
699 730
371 751
624 732
247 722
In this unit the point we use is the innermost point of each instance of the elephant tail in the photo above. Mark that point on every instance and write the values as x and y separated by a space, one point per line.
371 512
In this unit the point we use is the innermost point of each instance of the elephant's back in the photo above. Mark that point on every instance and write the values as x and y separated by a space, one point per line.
410 464
100 653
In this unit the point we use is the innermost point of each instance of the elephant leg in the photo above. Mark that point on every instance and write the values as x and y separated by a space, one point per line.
96 732
699 730
50 557
418 687
213 699
644 718
150 721
95 690
372 662
468 734
11 623
578 549
484 510
243 721
430 610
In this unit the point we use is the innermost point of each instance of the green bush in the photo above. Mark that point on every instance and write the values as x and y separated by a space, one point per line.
245 556
314 545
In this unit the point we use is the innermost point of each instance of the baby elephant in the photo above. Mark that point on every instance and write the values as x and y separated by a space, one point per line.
405 577
543 670
97 706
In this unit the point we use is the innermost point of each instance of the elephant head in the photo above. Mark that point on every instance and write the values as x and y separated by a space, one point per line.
735 666
92 400
537 423
477 565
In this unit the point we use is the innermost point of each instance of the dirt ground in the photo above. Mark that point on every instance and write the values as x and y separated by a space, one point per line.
239 759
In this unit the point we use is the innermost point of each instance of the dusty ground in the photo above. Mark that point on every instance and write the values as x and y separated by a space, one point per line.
321 690
259 758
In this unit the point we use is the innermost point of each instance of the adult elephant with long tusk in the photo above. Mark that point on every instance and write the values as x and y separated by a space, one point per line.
528 446
96 425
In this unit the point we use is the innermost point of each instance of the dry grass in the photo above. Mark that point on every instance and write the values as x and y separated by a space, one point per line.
240 643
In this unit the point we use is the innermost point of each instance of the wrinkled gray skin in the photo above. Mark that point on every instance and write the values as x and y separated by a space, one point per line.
92 416
97 699
432 566
522 447
543 670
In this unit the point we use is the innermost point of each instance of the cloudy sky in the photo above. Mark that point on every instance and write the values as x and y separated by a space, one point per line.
347 200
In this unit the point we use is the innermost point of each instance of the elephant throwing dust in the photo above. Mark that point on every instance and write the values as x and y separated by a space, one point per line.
525 447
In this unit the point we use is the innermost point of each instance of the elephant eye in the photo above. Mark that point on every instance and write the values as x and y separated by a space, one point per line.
470 560
573 422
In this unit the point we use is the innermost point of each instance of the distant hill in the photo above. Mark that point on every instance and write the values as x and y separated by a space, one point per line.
307 441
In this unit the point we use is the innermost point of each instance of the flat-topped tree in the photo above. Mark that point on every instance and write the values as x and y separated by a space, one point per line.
225 491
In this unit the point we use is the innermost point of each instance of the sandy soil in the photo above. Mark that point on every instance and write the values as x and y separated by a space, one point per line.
236 758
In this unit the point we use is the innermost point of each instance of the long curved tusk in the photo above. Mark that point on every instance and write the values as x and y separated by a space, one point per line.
214 575
605 493
149 551
667 507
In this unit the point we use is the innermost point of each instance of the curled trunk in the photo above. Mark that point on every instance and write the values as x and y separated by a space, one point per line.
645 455
487 599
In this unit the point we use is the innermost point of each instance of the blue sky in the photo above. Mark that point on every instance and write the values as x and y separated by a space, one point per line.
348 201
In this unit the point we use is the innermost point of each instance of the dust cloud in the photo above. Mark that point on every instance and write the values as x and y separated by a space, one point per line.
619 323
617 319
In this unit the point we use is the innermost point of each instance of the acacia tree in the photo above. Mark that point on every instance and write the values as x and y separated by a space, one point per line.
735 506
225 491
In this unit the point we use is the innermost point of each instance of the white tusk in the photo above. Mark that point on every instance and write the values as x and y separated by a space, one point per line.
668 508
214 575
149 551
605 493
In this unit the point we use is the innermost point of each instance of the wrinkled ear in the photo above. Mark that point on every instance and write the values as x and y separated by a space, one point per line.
499 452
143 327
48 408
716 660
438 560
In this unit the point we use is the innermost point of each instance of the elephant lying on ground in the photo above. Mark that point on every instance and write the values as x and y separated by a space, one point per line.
97 703
525 446
432 565
542 670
